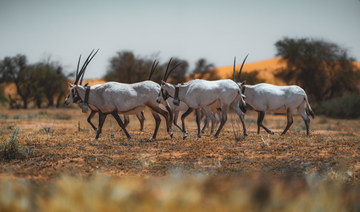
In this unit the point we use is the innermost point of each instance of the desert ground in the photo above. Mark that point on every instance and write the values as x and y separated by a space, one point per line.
58 150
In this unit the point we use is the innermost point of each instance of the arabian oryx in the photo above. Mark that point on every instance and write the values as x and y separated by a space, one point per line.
266 97
181 106
197 94
118 98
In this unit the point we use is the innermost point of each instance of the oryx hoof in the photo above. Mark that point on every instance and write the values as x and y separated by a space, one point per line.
197 138
245 134
272 133
171 135
94 142
151 139
185 134
129 138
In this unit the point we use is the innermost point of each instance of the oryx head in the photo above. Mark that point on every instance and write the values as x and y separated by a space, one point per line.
74 96
241 85
166 88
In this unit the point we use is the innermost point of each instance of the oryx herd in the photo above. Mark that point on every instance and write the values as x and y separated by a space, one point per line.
209 99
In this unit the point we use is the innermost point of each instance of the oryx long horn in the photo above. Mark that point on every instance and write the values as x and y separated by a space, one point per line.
83 68
77 69
242 65
153 67
166 71
173 68
234 68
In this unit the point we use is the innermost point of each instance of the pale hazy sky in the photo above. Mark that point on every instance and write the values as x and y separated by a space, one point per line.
188 29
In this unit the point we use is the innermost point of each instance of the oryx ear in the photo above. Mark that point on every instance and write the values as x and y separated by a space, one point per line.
243 83
162 82
70 85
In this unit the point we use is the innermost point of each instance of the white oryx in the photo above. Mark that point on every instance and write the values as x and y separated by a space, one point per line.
181 106
280 99
197 94
118 98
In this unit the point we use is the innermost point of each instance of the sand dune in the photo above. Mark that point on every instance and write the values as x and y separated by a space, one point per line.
266 69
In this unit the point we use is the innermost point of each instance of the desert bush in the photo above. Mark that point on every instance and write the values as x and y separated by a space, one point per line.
12 150
346 106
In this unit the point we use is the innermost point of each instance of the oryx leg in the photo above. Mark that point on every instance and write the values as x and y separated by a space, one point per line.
261 115
170 113
126 120
209 116
289 120
92 114
141 118
198 121
121 124
215 122
102 118
224 110
176 115
165 114
306 119
184 115
206 123
157 124
241 117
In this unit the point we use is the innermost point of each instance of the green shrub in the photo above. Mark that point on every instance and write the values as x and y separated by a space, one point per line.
347 106
12 150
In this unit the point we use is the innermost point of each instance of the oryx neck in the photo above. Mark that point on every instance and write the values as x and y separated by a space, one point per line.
87 92
83 93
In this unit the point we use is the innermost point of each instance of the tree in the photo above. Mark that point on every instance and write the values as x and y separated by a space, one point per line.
323 69
2 96
125 67
14 69
50 82
34 82
204 69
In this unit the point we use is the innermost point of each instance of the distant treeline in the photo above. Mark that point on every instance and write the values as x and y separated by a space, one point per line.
324 69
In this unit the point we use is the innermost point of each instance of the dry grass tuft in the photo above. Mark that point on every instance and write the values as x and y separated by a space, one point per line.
12 150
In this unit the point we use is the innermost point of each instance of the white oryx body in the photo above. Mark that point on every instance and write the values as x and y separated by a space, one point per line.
280 99
120 98
94 110
197 94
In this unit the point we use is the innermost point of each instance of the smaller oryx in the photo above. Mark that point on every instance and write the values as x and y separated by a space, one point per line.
197 94
266 97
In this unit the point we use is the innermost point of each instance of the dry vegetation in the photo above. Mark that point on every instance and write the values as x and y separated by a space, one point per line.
59 168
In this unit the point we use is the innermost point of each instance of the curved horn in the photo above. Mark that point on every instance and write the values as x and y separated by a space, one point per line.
166 71
175 66
242 65
77 69
234 68
153 67
83 68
